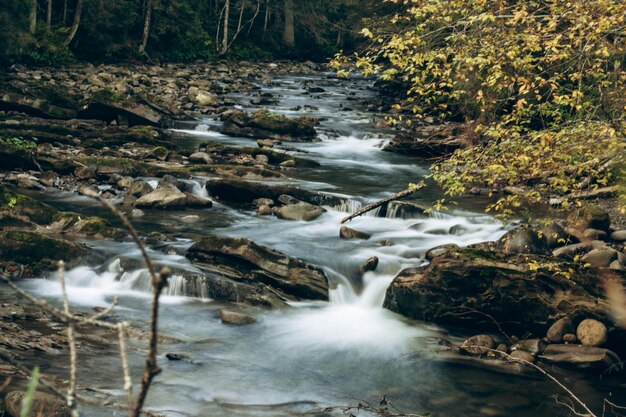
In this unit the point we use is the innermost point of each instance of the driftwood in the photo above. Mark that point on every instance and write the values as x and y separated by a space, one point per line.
412 189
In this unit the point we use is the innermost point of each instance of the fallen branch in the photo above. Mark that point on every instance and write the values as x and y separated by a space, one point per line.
412 189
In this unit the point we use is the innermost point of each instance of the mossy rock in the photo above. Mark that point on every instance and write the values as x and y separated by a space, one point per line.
22 205
160 152
589 217
35 249
69 222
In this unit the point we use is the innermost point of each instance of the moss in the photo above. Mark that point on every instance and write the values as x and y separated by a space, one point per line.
160 153
108 96
32 248
23 205
89 226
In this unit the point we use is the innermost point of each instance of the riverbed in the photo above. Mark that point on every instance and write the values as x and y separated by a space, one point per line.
311 355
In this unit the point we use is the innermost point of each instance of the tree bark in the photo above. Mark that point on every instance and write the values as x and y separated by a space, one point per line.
64 12
225 35
49 16
146 27
289 36
77 15
267 17
243 5
33 17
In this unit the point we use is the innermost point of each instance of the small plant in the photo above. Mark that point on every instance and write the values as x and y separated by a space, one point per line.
20 143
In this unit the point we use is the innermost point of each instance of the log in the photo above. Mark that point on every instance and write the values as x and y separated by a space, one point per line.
397 196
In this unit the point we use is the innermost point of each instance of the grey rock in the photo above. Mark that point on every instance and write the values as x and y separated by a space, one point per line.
525 240
43 405
589 217
192 200
601 258
235 318
370 264
200 158
581 356
139 188
532 346
258 202
300 211
166 196
441 250
619 236
264 211
571 251
523 355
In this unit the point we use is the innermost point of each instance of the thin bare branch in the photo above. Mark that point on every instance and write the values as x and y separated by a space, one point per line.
71 341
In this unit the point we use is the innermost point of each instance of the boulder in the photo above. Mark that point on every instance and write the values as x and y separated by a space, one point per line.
263 124
429 141
166 196
370 264
235 318
619 236
591 332
139 188
532 346
589 217
510 290
555 235
299 211
244 261
36 249
200 158
523 356
265 211
440 250
524 239
600 258
559 329
580 356
43 405
571 251
347 233
195 201
478 345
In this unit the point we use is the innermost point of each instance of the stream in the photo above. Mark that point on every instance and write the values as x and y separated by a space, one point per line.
314 354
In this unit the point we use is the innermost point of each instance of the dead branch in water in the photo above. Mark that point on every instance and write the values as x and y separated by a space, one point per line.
379 203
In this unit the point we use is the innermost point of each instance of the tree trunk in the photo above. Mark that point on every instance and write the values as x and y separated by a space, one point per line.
33 17
289 37
146 27
77 15
243 5
225 35
49 16
64 12
267 16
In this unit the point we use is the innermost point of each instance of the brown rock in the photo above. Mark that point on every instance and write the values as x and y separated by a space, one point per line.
591 332
347 233
477 345
370 264
559 329
43 405
523 355
570 338
235 318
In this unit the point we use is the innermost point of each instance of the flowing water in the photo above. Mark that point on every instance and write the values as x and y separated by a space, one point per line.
315 354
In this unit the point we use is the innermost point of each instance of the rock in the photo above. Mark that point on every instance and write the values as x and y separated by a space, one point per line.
589 217
140 188
616 265
200 158
502 348
244 261
440 250
264 124
137 213
125 183
290 163
506 288
600 258
43 405
160 152
264 211
235 318
591 332
619 236
169 180
263 159
192 200
532 346
259 202
37 106
595 234
36 249
266 143
571 251
555 235
580 356
429 141
166 196
202 98
347 233
570 338
300 211
175 357
560 328
523 356
523 240
370 264
477 345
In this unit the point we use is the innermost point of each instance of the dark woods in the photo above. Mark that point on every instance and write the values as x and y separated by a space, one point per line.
49 32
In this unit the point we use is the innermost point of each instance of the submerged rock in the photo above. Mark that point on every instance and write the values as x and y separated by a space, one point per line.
235 318
244 261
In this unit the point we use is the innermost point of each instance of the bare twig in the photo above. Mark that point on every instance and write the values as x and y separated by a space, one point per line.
128 384
71 341
379 203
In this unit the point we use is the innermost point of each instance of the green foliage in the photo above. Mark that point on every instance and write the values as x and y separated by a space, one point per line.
540 83
19 142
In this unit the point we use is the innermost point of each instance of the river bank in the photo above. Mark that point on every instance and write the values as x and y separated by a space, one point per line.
243 199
